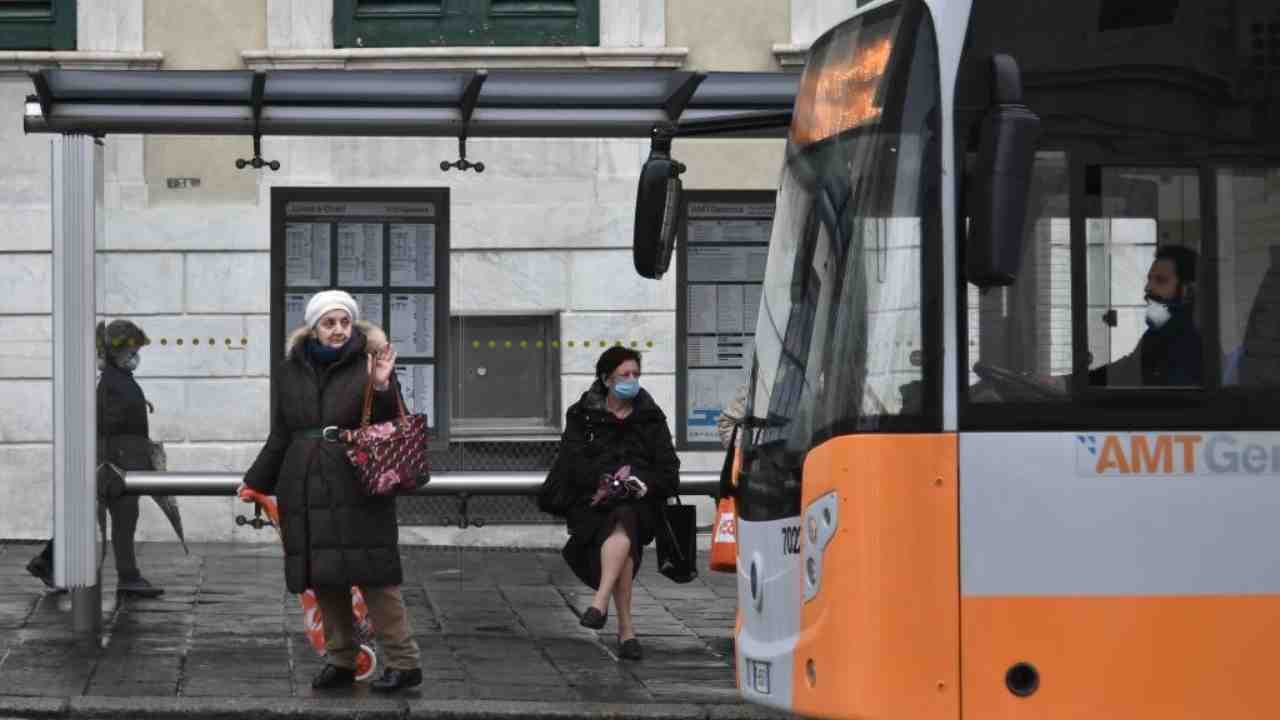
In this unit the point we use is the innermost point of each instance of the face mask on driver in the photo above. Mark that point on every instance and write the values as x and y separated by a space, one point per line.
1158 313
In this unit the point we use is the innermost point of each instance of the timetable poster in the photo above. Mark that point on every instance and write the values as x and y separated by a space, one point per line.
726 249
418 386
413 255
413 324
360 254
307 248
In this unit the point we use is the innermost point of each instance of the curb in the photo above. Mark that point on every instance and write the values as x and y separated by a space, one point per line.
240 708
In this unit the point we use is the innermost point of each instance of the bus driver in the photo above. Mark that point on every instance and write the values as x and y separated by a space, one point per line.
1170 351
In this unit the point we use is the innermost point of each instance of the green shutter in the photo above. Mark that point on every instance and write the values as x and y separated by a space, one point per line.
418 23
37 24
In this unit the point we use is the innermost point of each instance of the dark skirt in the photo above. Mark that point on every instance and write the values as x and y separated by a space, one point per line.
590 527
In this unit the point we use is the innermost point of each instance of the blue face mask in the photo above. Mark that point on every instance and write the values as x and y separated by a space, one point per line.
626 389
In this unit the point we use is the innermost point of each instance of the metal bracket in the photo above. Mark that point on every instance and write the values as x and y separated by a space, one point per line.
470 96
679 99
43 94
464 520
257 523
256 162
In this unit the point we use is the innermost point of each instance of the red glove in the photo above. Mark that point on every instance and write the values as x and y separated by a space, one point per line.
249 495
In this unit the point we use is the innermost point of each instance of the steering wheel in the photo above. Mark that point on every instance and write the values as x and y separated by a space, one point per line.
1014 384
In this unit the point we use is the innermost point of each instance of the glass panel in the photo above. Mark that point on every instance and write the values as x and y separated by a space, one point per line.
1143 249
840 345
1023 331
1249 275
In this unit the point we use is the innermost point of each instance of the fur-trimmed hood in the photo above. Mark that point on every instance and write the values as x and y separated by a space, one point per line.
375 338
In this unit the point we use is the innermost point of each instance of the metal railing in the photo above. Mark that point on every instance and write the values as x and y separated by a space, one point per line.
442 483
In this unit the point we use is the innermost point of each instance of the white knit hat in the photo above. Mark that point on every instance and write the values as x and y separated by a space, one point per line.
323 302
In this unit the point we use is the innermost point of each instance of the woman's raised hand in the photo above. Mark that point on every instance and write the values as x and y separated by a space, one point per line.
381 364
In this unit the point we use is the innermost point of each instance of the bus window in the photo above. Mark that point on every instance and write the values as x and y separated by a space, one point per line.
1249 272
1142 242
1025 329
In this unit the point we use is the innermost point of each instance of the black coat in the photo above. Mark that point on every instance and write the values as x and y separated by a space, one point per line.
1168 356
123 434
334 535
596 442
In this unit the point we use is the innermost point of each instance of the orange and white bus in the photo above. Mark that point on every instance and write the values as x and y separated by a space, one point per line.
1014 445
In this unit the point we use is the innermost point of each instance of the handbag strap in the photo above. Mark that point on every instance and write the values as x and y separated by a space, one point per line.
367 410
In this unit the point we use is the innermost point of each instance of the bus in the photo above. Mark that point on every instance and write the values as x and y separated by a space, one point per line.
1013 435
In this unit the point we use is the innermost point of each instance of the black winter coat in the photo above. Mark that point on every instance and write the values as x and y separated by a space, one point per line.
596 442
123 434
334 535
1168 356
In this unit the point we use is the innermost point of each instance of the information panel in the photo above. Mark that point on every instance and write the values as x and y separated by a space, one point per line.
385 252
725 248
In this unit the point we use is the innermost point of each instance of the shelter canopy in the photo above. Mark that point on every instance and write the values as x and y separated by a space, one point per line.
440 103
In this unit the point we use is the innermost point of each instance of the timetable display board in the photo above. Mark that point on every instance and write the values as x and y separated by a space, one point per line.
389 249
724 247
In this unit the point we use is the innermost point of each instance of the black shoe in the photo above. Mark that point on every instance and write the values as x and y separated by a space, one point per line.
332 676
138 587
41 572
593 618
630 649
393 680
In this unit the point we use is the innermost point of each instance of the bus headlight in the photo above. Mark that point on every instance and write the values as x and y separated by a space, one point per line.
820 521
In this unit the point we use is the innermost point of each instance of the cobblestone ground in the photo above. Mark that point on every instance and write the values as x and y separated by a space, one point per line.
492 625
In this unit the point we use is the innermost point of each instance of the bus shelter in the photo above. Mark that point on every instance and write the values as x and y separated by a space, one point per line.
84 107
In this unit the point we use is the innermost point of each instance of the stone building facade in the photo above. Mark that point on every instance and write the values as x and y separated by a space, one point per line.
187 247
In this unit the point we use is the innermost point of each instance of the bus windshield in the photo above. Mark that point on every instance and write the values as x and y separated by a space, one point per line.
841 342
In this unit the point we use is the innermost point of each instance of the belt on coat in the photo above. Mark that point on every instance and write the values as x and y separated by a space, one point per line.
328 433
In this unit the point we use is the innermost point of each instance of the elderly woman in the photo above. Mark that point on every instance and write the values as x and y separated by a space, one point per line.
124 442
335 536
618 456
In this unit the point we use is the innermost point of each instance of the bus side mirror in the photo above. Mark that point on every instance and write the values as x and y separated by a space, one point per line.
657 209
1001 181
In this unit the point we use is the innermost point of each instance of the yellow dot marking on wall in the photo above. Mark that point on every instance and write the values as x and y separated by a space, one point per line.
649 344
492 344
164 341
555 343
570 343
244 341
539 344
179 342
524 343
634 343
507 344
475 343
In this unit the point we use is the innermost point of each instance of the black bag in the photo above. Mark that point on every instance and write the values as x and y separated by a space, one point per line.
555 496
677 542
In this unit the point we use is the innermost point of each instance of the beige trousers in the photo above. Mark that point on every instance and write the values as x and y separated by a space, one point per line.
390 623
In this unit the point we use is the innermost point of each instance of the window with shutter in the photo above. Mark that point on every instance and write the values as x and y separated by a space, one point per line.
37 24
416 23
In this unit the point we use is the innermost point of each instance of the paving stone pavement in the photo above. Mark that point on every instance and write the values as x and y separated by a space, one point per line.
493 625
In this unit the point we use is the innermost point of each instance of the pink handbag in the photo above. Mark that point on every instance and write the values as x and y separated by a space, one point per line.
389 457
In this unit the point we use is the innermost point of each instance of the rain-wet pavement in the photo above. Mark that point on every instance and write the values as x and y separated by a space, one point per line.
498 630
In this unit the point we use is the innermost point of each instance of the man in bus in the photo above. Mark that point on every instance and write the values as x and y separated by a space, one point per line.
1170 353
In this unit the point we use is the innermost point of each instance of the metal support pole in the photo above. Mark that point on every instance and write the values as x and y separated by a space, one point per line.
77 197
